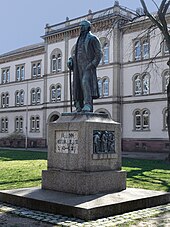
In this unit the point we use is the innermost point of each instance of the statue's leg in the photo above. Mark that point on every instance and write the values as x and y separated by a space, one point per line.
88 101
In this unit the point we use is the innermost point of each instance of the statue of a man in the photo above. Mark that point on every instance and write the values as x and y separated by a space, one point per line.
84 62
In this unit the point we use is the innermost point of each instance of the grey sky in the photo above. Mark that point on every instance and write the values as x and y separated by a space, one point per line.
22 22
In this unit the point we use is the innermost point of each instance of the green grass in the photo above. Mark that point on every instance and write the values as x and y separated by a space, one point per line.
21 169
147 174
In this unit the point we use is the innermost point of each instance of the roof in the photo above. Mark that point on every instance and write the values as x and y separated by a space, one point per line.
23 49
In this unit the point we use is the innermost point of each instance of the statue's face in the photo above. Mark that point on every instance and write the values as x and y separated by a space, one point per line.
84 26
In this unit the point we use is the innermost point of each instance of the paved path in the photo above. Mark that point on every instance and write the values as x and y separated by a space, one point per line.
13 216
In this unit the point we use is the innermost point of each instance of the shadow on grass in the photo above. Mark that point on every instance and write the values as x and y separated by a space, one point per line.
145 172
21 181
10 155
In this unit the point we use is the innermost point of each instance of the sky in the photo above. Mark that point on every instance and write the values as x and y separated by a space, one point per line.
22 22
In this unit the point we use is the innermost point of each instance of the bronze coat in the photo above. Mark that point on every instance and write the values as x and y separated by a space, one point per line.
93 54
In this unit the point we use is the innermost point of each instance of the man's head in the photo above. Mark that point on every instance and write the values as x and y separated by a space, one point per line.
85 25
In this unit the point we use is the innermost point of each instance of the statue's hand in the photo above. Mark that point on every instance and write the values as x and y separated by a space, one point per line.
70 63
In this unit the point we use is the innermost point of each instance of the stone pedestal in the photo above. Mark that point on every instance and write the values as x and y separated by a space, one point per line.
84 155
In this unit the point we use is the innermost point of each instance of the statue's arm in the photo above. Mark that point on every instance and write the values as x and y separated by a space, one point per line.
97 51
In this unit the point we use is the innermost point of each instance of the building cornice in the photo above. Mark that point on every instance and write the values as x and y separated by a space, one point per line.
22 53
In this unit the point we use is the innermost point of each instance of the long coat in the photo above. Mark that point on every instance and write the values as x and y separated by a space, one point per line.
93 54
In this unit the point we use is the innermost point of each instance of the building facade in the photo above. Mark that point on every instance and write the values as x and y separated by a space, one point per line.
132 78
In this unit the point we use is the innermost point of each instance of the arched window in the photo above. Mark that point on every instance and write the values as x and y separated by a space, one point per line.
21 97
141 84
7 99
165 80
17 98
3 77
34 70
56 61
33 96
137 50
145 51
141 120
35 123
105 49
17 124
22 73
59 62
138 124
32 123
145 120
100 87
165 119
55 93
4 124
105 87
141 48
39 69
58 92
18 75
38 95
145 81
3 103
137 85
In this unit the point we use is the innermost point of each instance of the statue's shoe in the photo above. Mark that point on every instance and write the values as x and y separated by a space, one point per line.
87 108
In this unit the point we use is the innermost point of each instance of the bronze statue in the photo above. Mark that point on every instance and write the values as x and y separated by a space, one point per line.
84 62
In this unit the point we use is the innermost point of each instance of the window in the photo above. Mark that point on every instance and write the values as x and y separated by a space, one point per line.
20 72
105 49
19 124
141 120
165 119
165 80
35 96
165 48
55 93
35 123
100 87
5 76
4 124
103 85
19 98
58 93
141 84
36 69
4 100
141 49
56 61
145 82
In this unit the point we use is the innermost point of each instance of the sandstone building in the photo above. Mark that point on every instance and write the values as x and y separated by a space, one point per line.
132 78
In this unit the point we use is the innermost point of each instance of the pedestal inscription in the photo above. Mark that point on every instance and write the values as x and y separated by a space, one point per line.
67 142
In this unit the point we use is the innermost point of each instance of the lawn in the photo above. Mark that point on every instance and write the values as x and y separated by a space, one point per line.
20 169
147 174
